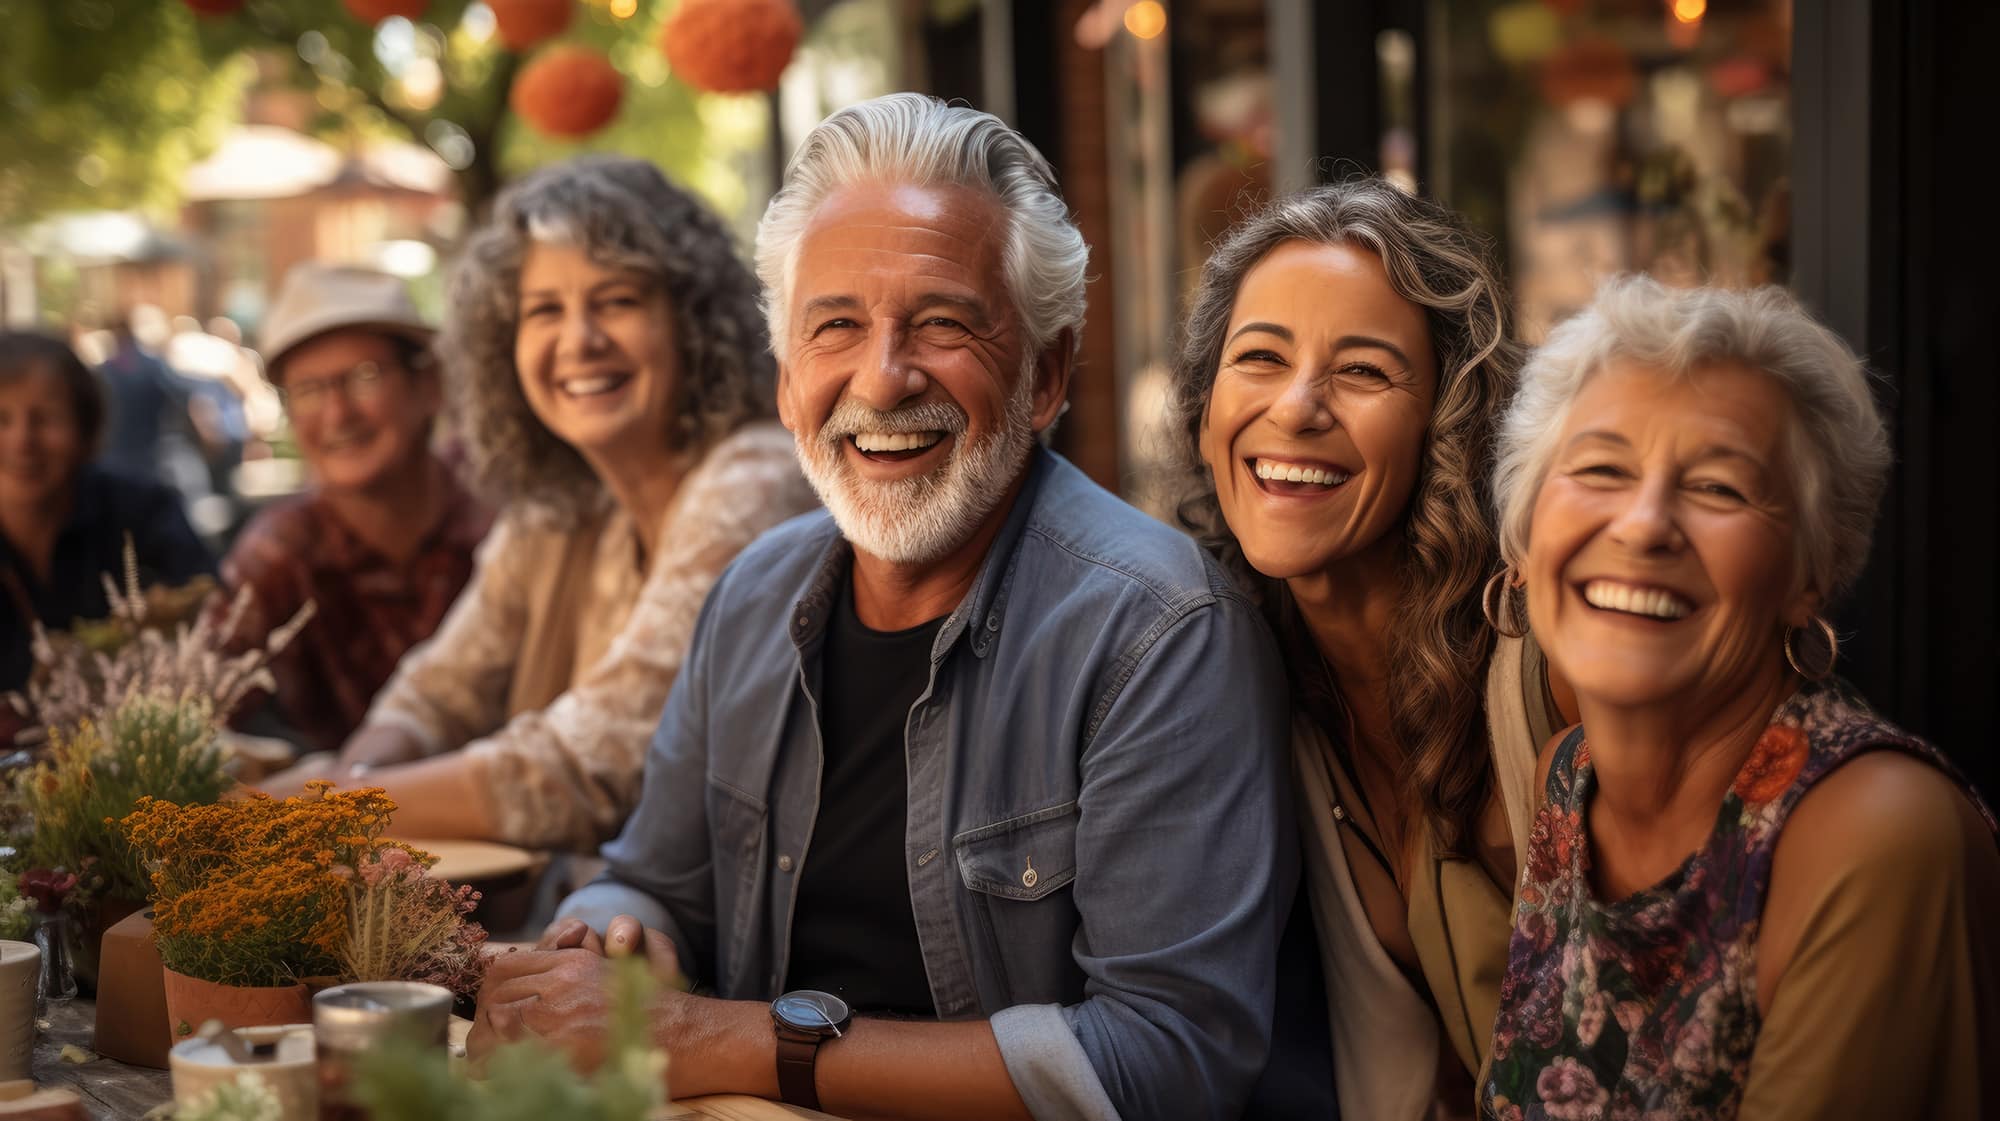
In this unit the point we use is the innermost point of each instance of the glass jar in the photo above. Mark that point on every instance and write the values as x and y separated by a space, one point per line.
53 934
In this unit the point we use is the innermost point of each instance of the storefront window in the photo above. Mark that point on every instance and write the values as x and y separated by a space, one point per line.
1189 133
1614 136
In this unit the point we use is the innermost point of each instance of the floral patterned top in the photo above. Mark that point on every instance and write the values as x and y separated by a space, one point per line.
1646 1008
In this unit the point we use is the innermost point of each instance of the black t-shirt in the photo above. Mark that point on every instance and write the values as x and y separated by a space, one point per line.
853 933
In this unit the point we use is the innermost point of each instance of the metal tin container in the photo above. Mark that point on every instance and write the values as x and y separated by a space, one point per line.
351 1020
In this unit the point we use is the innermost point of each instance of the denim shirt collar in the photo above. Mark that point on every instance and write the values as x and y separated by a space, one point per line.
981 611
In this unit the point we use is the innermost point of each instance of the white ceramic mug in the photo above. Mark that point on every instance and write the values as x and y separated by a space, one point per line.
20 975
291 1073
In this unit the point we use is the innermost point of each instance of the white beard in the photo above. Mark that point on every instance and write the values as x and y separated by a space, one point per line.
917 520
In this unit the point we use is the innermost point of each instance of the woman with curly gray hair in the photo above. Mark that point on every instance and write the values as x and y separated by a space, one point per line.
1746 895
608 368
1346 355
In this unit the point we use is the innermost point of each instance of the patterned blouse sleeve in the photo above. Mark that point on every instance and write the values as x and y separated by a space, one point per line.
568 775
453 686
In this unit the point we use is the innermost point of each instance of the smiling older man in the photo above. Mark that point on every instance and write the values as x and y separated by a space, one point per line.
982 758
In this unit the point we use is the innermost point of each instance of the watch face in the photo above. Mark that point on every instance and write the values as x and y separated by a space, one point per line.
809 1010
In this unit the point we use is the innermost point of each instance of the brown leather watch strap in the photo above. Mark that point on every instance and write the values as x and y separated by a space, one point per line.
796 1059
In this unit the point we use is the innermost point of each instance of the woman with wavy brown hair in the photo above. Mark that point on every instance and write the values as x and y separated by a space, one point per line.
609 371
1346 358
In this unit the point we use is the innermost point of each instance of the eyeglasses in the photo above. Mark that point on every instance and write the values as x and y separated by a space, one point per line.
361 385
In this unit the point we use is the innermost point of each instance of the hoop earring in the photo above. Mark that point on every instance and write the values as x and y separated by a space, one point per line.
1832 650
1498 587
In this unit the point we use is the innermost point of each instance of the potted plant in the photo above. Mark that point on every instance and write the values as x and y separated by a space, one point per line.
94 772
118 707
254 898
404 924
162 641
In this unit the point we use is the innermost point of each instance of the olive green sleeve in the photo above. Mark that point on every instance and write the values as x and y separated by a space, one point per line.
1886 1007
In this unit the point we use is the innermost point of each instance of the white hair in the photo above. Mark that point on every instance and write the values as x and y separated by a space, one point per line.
1837 452
913 138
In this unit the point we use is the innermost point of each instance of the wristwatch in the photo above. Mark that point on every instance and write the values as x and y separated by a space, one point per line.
804 1019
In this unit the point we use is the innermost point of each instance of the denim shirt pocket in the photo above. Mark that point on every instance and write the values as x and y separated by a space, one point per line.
1015 871
738 825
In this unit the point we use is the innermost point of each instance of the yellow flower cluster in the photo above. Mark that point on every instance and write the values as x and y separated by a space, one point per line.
254 891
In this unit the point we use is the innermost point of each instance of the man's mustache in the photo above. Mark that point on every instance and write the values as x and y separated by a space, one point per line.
851 416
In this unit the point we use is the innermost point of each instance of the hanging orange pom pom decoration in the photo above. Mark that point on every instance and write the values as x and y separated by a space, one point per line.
524 23
375 11
568 91
213 7
731 46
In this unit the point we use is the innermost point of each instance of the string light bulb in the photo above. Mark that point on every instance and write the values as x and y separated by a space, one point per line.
1146 19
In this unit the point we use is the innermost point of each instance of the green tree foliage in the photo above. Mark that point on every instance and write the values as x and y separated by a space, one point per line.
104 103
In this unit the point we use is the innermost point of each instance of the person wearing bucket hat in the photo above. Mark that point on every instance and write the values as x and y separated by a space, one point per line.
383 542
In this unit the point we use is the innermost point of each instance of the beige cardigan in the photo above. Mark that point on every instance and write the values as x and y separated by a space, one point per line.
551 669
1385 1034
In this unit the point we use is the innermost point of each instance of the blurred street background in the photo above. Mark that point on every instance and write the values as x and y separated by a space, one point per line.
164 162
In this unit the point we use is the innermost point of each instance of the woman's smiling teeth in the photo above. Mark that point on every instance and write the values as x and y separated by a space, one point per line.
895 441
1655 603
1278 471
592 387
347 441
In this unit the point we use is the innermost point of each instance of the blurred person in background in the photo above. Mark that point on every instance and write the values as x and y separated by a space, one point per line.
609 370
63 521
383 542
1746 895
244 370
143 398
205 365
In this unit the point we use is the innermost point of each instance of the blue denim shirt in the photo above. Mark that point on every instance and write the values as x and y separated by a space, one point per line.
1100 847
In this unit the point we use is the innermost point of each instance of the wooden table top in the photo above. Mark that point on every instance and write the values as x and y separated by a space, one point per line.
114 1091
111 1090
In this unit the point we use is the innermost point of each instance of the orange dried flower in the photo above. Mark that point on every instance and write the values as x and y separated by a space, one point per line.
251 895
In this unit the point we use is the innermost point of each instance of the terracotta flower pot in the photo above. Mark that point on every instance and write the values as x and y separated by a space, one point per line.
131 995
191 1001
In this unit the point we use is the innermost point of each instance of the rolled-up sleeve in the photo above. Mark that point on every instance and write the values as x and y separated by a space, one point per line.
1186 865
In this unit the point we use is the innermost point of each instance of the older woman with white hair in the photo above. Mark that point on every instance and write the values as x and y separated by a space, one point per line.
611 377
1747 895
